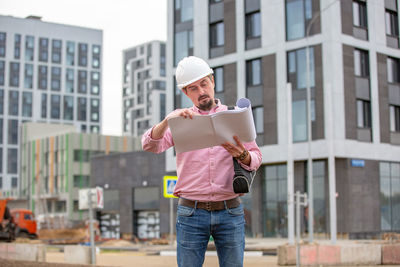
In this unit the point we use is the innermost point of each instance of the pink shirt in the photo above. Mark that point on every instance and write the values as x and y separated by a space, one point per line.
203 174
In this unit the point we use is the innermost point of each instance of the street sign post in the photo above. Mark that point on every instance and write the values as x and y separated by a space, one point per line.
169 186
91 198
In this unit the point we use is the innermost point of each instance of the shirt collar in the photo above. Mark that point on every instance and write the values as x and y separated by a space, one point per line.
213 110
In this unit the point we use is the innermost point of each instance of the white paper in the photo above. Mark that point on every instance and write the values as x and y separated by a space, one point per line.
212 130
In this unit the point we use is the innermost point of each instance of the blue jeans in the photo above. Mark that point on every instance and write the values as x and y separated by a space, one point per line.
193 230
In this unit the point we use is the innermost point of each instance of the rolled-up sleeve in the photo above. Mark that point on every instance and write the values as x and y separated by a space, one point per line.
156 145
255 154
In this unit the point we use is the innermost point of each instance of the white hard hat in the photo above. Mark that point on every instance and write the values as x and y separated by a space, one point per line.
191 69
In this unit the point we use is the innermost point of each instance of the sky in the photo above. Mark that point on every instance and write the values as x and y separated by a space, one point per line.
125 23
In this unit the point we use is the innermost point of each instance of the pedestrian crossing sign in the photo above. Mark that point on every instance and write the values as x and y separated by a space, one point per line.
169 186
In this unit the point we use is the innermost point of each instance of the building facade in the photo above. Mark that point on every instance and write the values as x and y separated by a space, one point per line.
259 50
144 83
55 165
49 73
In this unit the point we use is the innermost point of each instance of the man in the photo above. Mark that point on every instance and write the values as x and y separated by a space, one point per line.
207 204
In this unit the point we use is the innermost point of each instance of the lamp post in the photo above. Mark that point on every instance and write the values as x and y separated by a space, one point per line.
309 129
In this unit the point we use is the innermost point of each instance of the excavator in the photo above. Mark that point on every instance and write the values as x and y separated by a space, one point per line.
16 223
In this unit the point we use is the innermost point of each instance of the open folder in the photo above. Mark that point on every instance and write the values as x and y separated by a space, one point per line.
212 130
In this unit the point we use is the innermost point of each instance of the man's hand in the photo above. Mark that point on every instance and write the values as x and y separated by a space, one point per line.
185 112
238 151
159 129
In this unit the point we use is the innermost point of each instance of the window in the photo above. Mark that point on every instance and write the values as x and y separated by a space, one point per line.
298 15
27 104
81 155
297 68
96 56
94 129
219 79
299 120
14 182
363 114
44 106
69 83
2 70
217 34
61 206
70 53
14 74
42 79
162 60
275 201
94 110
183 10
13 102
253 72
1 102
183 45
56 51
392 23
13 132
55 78
43 49
95 83
17 46
3 39
81 181
29 47
393 70
55 106
394 118
361 63
28 76
253 25
12 155
82 109
389 176
162 106
360 14
258 113
68 107
82 81
82 54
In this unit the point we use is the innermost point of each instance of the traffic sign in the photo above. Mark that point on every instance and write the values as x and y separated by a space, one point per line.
169 186
97 198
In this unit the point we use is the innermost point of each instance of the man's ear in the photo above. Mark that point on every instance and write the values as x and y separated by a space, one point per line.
184 90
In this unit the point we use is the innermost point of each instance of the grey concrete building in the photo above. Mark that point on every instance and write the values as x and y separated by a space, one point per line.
144 83
49 73
133 189
258 49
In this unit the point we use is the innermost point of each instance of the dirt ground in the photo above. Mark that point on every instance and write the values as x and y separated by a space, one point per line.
139 259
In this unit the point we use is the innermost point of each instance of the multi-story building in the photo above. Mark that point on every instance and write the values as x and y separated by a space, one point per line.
144 82
258 49
55 165
48 73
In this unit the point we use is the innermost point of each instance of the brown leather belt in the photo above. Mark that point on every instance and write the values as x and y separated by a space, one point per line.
211 205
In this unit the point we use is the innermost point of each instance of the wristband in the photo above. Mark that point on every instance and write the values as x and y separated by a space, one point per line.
243 155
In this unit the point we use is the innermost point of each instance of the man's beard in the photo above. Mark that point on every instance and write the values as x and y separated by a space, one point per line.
206 106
